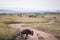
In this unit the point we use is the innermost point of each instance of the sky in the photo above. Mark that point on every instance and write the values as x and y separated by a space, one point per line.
31 4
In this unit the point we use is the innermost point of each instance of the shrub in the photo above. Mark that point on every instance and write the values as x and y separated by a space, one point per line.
32 16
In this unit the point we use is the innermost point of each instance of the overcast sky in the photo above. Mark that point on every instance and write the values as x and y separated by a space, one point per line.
31 4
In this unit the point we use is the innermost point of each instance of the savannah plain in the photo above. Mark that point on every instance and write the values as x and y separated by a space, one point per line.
49 23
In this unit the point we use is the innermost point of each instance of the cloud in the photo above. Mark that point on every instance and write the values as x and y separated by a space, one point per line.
31 4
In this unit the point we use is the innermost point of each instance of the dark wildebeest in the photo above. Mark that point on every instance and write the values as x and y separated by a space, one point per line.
21 34
27 32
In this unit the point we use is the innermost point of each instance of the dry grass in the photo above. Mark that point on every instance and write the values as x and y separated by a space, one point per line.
21 19
6 32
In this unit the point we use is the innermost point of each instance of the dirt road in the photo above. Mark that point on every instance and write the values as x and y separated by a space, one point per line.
38 35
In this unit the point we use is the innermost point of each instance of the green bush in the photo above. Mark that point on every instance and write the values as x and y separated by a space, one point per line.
32 16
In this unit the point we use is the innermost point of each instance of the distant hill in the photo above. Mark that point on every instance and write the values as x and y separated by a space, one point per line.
24 10
6 10
18 10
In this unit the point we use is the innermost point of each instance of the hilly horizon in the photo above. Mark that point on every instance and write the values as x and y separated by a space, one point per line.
6 10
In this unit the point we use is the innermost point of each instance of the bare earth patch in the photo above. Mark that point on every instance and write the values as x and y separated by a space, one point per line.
38 35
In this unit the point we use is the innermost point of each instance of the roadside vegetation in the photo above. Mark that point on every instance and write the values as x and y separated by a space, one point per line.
6 32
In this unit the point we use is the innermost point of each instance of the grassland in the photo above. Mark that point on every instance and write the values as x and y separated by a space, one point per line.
38 23
6 32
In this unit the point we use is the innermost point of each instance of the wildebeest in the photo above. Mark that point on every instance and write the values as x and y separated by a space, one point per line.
27 32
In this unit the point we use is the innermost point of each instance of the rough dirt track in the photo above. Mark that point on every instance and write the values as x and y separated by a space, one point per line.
38 35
